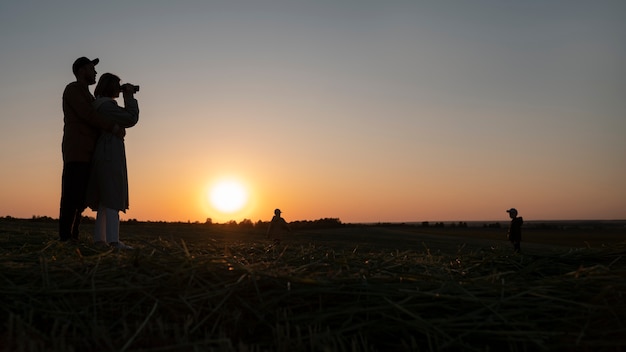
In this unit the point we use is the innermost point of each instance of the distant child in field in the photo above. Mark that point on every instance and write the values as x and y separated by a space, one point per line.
515 229
278 226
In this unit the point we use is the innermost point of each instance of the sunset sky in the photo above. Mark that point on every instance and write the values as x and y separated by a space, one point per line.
360 110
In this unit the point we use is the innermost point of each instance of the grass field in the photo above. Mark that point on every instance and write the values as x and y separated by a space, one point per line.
195 287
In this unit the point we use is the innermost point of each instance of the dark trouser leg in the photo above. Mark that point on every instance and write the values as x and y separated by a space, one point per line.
73 189
66 219
78 215
516 246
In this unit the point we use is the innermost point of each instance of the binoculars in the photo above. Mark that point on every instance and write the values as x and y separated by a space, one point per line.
135 88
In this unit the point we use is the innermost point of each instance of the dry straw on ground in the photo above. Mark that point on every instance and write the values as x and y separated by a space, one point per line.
186 293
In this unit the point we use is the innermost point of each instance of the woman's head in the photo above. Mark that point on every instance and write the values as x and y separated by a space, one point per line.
108 86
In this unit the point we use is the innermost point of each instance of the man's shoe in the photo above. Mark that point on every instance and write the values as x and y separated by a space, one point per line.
101 244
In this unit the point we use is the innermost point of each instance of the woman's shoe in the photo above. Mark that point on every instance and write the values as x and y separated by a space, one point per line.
120 245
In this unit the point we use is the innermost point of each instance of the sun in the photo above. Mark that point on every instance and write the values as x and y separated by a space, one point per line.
228 196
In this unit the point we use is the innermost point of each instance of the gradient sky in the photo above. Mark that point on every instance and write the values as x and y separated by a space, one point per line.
361 110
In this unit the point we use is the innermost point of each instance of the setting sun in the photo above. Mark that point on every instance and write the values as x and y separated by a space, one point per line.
228 196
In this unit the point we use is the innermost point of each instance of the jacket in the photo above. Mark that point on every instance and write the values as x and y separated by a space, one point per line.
108 183
82 124
515 229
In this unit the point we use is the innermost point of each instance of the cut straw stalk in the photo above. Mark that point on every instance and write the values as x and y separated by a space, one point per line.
455 300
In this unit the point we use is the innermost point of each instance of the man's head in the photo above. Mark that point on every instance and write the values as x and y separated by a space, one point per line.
512 213
277 212
85 70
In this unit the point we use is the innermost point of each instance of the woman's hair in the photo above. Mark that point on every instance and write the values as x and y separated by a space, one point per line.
108 86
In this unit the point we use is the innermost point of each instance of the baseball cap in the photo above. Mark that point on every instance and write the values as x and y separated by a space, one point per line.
82 61
512 210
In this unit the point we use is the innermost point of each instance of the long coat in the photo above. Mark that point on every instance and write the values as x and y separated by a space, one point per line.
108 184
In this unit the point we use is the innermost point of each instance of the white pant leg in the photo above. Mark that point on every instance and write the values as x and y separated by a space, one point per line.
113 225
99 233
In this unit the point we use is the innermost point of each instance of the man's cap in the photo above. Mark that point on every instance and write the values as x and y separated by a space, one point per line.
82 61
512 210
277 211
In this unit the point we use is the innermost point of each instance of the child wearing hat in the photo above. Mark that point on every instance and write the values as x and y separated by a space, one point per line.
515 229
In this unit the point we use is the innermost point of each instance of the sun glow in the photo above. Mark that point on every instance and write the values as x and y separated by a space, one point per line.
228 196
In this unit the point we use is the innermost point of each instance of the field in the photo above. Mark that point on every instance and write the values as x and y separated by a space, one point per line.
383 287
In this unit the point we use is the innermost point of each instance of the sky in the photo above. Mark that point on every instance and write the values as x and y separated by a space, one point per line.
366 111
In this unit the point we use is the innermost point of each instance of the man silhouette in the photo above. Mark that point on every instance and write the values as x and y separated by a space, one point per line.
81 129
278 226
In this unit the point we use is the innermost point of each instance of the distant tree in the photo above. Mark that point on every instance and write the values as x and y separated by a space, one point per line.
44 218
89 219
246 224
317 224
